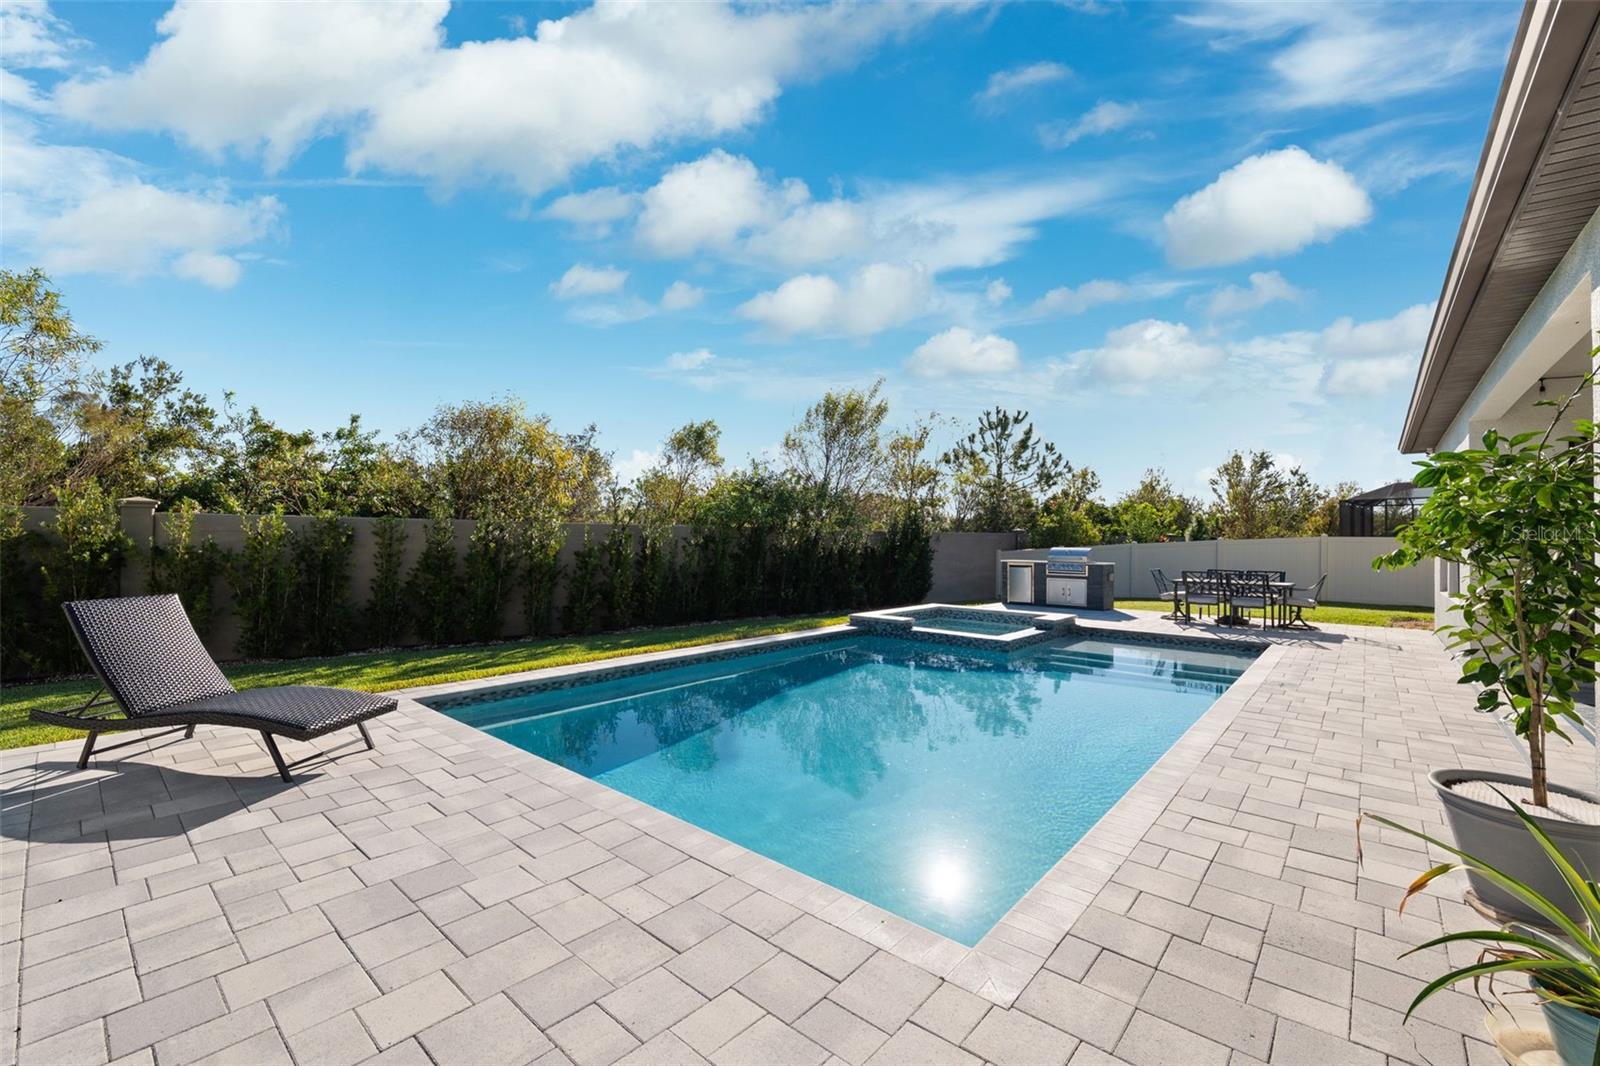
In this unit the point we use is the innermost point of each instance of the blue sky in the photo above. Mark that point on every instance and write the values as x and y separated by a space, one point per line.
1167 230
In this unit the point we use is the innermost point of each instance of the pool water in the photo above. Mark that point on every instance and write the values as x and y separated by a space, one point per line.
938 784
979 626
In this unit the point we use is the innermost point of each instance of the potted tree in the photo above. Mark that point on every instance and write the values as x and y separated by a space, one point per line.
1520 515
1562 961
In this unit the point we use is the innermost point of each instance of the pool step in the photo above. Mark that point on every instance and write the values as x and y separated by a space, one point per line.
1101 661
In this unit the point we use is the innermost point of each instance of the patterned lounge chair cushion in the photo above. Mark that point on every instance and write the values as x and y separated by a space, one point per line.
146 651
307 710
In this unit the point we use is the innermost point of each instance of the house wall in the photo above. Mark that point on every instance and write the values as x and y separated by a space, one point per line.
1565 315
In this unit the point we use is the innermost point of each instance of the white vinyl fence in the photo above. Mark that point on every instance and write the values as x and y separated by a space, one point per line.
1346 560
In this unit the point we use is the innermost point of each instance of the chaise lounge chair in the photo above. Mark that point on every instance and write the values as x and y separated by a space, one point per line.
149 658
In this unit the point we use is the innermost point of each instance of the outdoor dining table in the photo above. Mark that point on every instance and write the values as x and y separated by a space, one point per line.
1278 593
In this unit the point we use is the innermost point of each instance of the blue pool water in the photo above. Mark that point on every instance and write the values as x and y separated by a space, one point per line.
978 626
938 784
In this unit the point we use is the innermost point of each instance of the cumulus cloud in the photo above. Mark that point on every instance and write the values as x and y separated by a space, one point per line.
996 292
1326 55
584 280
1266 286
680 296
721 203
1139 355
1269 204
959 350
269 78
595 210
1348 358
1104 117
707 203
1075 300
877 297
31 38
82 210
1005 84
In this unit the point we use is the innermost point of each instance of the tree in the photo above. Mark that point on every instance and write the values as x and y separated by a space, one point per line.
1521 517
836 450
690 459
1152 511
1000 470
912 478
42 356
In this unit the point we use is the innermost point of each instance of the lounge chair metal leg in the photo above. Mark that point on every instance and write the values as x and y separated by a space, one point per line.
277 756
365 735
188 734
88 749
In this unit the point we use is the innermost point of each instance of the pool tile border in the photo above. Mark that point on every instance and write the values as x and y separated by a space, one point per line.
1002 963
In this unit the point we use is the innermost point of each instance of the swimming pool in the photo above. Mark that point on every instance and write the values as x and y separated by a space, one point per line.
939 784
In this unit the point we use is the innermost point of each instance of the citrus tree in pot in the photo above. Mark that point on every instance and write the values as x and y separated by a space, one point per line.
1521 516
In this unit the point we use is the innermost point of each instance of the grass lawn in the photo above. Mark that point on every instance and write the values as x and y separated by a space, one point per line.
405 668
1343 614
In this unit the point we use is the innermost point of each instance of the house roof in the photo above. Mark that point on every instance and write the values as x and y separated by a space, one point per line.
1537 185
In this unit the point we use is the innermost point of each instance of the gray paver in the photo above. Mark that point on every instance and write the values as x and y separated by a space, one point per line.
388 893
491 1033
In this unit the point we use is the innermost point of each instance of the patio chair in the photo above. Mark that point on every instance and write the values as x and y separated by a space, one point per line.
157 673
1202 589
1302 599
1249 591
1164 590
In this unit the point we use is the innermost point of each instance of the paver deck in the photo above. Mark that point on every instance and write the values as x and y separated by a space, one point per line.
450 899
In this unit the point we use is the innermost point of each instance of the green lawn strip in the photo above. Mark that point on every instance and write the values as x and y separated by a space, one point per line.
404 668
1343 614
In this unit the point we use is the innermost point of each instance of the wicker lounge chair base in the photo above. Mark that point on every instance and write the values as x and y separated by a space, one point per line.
154 670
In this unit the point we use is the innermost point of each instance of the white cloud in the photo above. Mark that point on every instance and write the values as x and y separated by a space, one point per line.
1004 84
707 203
695 360
1269 204
584 280
1143 353
959 350
1104 117
1339 54
996 292
595 210
83 210
31 38
615 313
680 296
877 297
1348 358
606 80
1070 300
1267 286
722 203
637 462
1370 377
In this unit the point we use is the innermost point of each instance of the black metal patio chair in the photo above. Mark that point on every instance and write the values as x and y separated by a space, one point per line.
1303 599
1202 589
1165 590
157 673
1250 591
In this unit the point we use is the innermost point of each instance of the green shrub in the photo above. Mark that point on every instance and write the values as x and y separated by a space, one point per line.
433 585
620 568
584 590
386 607
541 575
187 567
263 577
320 605
489 576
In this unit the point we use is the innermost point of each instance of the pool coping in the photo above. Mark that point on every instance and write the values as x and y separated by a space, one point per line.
1008 956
